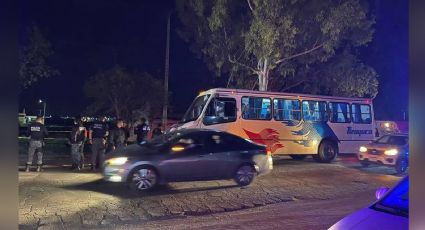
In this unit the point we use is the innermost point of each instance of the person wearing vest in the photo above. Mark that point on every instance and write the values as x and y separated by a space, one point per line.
37 132
98 133
77 138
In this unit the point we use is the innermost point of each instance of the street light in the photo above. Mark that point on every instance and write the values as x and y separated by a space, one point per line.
44 107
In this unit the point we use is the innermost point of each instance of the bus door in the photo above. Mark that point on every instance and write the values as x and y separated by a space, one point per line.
362 130
340 122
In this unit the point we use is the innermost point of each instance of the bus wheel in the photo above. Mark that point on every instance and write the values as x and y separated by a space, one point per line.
298 157
327 152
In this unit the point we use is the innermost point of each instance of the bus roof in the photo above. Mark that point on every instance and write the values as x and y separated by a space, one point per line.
267 93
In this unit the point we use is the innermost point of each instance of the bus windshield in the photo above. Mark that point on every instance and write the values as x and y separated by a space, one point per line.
195 108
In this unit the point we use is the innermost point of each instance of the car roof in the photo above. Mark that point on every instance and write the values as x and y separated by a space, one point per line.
191 130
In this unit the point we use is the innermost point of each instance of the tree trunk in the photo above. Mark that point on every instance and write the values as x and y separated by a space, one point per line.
263 75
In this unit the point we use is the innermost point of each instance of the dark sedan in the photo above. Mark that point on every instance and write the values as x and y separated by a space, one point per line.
187 155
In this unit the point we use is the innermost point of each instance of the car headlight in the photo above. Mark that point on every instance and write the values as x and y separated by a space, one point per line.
363 149
391 152
117 161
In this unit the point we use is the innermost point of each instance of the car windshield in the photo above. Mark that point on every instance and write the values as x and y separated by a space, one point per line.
397 201
392 140
195 108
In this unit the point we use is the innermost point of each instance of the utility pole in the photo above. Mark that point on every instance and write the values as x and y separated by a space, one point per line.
167 60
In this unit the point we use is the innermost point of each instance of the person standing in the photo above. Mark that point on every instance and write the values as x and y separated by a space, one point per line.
142 130
157 131
117 137
98 133
77 139
37 132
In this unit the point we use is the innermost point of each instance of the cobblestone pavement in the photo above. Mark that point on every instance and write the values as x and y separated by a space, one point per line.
59 199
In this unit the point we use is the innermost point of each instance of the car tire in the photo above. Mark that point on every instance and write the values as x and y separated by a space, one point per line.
298 157
327 152
245 175
365 163
143 178
402 165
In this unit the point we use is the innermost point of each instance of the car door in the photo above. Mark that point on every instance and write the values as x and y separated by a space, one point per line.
185 159
225 154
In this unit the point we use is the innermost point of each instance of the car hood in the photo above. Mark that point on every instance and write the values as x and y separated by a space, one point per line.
368 218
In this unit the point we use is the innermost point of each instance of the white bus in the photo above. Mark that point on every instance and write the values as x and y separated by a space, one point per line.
288 124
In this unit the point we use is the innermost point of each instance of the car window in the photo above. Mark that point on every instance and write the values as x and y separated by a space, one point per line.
383 140
398 140
191 143
221 142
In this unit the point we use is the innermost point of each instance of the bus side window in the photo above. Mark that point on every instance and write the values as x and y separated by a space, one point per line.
361 113
256 108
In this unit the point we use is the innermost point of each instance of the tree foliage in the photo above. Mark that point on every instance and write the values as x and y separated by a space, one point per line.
33 59
120 93
255 41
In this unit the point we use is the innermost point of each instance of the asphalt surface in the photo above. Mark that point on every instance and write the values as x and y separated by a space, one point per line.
296 195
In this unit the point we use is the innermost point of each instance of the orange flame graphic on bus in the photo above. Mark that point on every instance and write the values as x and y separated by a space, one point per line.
268 137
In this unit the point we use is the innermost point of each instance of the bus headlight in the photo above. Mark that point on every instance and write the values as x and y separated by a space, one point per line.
363 149
391 152
117 161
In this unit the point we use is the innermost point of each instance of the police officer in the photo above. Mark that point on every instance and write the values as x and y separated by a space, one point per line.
37 132
77 139
98 133
142 130
117 137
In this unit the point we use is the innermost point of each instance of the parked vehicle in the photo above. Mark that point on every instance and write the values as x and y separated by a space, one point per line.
390 211
391 150
187 155
297 125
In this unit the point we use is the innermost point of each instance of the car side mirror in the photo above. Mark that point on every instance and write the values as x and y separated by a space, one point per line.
380 192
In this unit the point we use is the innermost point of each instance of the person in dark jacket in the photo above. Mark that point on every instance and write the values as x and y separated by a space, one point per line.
77 138
37 132
142 130
157 131
98 133
117 137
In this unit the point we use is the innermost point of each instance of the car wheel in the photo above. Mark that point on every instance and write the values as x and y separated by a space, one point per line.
402 165
364 163
143 178
245 175
298 157
327 152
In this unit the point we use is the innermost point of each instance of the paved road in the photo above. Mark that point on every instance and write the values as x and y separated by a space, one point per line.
59 199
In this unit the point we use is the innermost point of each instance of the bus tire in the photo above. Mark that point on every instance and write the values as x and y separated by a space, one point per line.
298 157
327 152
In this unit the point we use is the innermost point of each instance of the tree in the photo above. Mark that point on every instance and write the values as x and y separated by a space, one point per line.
119 92
33 59
272 38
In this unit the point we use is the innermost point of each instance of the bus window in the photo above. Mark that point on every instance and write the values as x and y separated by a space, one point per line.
339 112
286 110
314 111
361 114
256 108
220 110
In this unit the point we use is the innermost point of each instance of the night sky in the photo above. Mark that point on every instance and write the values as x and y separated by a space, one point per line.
88 36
